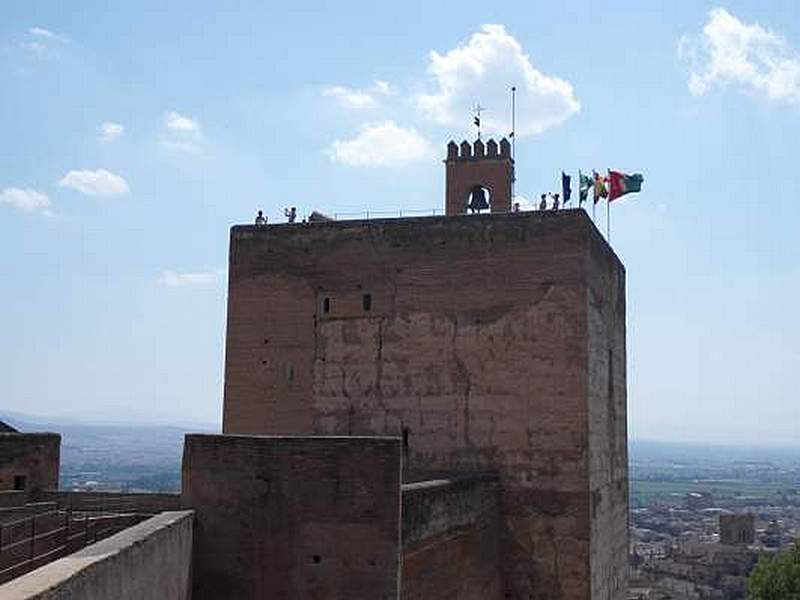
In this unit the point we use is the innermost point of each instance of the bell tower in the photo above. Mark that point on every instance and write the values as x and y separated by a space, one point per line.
478 174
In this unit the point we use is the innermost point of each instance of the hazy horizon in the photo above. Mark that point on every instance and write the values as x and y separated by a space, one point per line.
91 420
137 134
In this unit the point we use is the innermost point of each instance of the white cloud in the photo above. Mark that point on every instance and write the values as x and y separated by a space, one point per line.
41 32
177 122
482 70
110 131
359 98
173 279
41 40
95 183
28 200
730 52
381 144
182 133
382 87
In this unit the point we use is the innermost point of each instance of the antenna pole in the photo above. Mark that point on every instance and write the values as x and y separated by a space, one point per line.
513 139
513 122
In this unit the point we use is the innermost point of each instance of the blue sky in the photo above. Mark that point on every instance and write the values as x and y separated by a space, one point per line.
135 134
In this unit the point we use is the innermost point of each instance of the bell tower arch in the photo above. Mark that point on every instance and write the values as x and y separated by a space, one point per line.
472 167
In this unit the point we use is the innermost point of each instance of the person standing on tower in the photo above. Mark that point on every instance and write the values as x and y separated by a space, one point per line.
290 213
260 218
543 202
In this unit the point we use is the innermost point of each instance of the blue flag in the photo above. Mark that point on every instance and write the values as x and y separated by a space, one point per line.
566 186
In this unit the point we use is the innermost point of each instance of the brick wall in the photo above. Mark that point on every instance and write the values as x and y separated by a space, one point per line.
481 349
451 539
294 517
32 456
608 438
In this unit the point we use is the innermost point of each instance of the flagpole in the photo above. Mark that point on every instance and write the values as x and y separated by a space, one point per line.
608 218
513 139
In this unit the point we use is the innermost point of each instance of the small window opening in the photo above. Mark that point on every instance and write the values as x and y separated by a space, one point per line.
19 482
289 372
405 438
366 302
316 558
326 305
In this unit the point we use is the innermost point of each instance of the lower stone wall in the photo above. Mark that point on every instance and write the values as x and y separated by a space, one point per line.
146 503
9 499
294 517
450 538
149 561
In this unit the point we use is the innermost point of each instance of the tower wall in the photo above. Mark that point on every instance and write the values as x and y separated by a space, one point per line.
470 165
608 435
483 348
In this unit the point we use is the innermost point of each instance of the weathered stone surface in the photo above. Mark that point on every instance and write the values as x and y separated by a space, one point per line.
485 348
149 561
34 457
294 517
451 539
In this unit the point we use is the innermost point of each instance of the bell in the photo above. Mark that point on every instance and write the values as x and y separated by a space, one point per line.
477 201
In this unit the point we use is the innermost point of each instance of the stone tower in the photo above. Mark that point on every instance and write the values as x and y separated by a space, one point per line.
491 343
479 165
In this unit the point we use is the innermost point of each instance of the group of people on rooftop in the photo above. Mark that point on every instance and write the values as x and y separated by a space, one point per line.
289 213
556 202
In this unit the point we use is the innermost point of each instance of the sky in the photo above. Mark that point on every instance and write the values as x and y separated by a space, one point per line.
135 134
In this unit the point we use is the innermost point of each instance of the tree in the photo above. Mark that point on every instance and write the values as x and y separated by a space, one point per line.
776 577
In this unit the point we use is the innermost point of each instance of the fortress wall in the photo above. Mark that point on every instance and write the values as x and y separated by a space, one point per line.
475 350
294 517
451 539
34 456
149 561
10 498
608 459
144 503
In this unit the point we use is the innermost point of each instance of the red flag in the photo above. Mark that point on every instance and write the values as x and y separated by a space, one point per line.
620 184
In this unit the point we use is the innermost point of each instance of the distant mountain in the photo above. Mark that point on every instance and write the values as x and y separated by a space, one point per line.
655 450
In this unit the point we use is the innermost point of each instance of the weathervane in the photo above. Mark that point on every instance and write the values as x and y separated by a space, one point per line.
477 118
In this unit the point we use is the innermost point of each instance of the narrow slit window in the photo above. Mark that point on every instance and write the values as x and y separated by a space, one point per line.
405 438
326 305
19 482
366 302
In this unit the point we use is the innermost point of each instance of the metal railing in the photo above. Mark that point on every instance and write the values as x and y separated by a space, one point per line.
380 214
